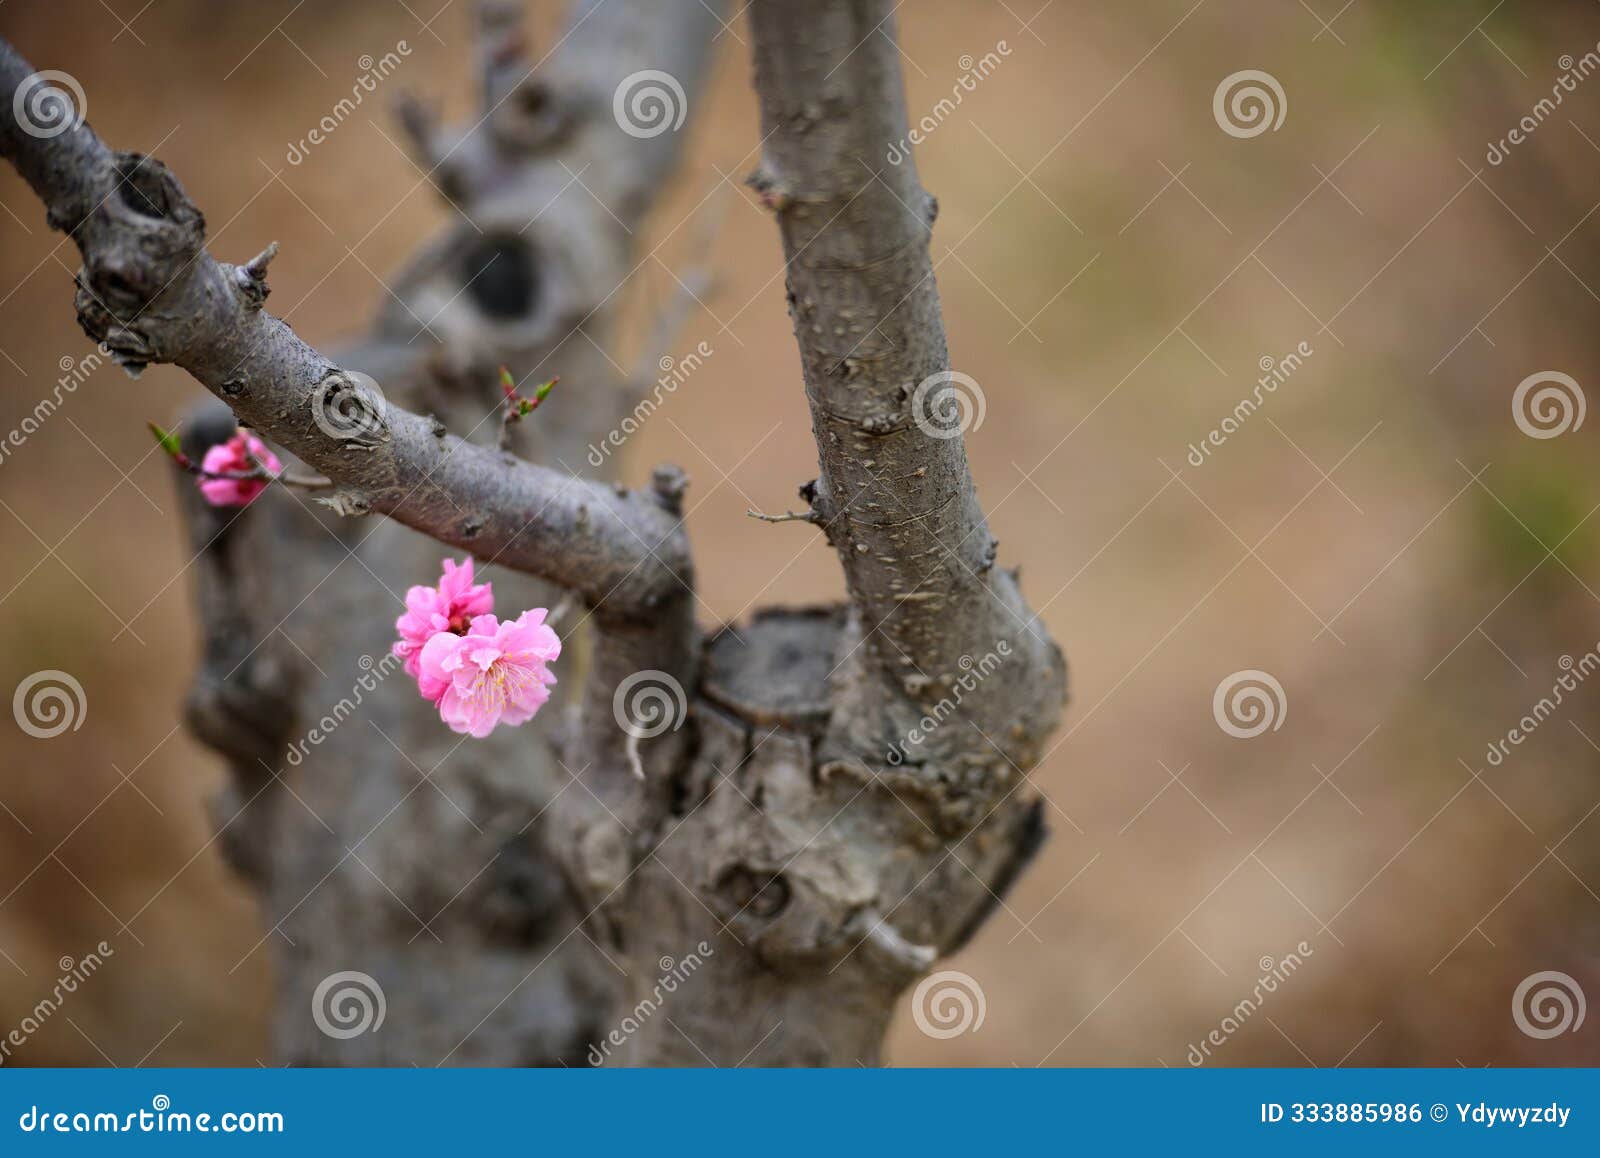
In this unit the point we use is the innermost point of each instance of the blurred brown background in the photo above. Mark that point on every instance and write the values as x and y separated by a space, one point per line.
1380 536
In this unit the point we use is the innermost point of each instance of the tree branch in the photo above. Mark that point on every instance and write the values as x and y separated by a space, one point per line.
849 803
895 495
152 293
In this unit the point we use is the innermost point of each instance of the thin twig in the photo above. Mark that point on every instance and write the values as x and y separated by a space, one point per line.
786 517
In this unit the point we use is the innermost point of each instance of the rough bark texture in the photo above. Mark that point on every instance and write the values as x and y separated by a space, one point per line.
821 872
390 823
769 833
895 495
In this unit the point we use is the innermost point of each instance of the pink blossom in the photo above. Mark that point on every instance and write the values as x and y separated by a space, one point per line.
495 674
450 608
240 454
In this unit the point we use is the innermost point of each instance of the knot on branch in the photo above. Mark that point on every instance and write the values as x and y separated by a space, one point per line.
139 241
668 483
142 235
533 119
774 192
251 277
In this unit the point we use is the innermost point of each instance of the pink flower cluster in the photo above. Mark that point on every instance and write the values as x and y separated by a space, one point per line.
239 455
478 671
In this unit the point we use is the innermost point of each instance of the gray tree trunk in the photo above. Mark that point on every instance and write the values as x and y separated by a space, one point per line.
734 849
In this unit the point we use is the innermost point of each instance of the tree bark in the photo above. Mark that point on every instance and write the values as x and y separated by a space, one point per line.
818 844
387 846
769 833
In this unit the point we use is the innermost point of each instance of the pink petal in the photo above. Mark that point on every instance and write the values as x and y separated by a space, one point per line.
440 657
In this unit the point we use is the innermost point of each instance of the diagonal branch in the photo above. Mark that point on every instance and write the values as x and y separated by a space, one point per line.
150 290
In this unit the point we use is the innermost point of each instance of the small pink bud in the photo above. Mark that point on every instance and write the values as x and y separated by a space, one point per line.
241 454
